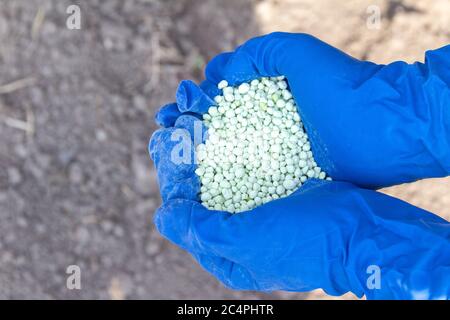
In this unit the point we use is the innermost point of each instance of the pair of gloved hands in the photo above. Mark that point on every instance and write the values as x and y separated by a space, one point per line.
369 126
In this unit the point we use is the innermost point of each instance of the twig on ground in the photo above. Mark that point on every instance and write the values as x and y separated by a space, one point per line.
37 23
27 126
17 124
17 85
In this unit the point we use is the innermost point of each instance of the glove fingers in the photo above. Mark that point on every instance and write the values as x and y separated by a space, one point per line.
210 88
275 54
167 115
231 274
191 98
235 67
297 56
217 233
174 220
195 228
172 152
258 57
194 126
236 237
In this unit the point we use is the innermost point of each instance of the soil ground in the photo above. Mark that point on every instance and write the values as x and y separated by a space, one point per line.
76 112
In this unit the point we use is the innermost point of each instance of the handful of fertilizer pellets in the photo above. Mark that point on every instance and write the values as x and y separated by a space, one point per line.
256 148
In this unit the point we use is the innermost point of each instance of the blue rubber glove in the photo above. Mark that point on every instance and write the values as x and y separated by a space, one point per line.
327 234
372 125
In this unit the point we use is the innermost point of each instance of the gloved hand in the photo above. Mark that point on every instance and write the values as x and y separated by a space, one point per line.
373 125
326 235
329 235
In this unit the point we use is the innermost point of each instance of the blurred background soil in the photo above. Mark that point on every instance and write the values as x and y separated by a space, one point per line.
76 112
